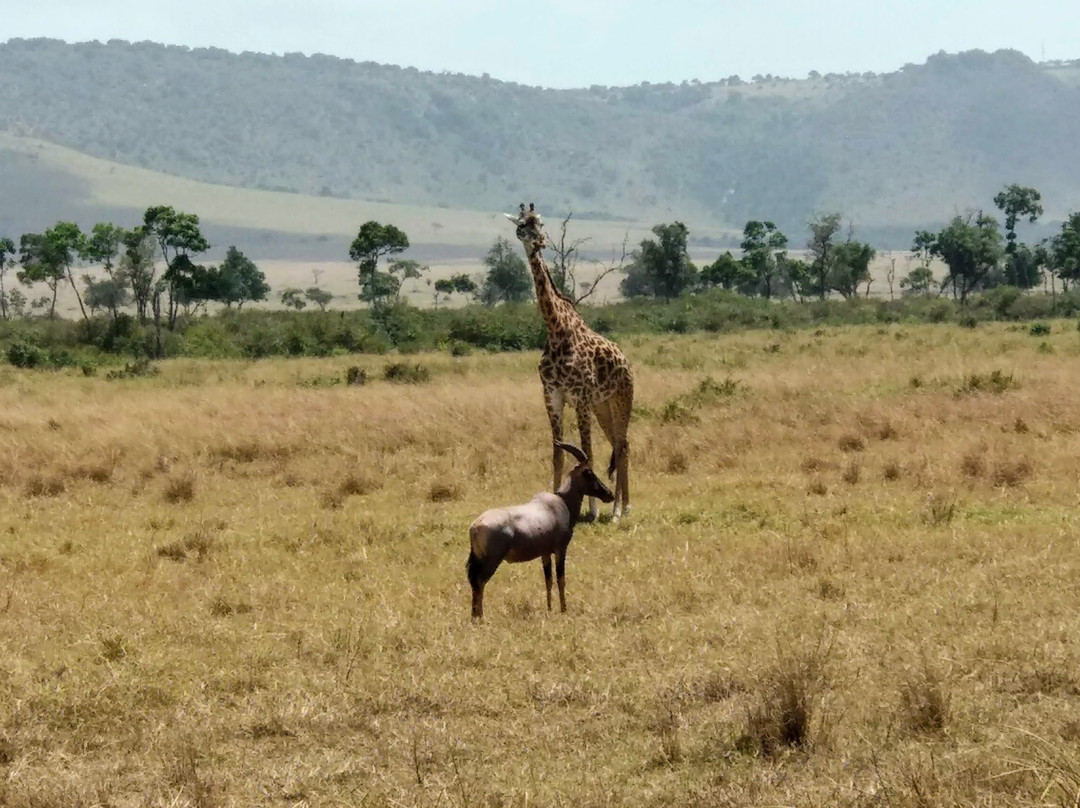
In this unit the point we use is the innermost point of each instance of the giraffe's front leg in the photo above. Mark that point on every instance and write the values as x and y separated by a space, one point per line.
554 401
584 425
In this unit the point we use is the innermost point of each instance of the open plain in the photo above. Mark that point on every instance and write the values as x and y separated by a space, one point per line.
851 576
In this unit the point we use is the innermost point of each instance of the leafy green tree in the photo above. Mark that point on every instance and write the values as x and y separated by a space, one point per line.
293 299
823 230
178 238
661 268
917 282
508 279
726 272
7 249
373 242
456 284
850 267
972 250
47 258
110 294
239 280
1064 250
102 245
320 297
1017 201
137 269
764 251
16 304
800 276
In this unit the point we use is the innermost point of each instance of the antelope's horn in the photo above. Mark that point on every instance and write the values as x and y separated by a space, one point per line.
572 450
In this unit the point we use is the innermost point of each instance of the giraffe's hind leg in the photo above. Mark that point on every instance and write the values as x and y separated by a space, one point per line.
606 418
614 417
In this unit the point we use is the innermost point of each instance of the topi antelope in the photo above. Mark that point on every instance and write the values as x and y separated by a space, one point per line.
540 528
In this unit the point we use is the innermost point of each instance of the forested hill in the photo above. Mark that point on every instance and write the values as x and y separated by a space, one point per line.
894 150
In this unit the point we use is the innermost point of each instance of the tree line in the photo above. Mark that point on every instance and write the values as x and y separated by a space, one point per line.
978 255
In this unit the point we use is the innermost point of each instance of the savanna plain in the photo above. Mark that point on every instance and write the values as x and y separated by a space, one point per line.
850 577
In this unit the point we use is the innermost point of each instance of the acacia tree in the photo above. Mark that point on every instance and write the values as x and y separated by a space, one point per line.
661 268
851 267
764 253
456 284
293 298
1017 201
179 238
1064 250
972 250
320 297
822 231
508 279
7 248
238 280
727 272
373 242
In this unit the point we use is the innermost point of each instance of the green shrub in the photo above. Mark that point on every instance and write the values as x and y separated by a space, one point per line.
23 354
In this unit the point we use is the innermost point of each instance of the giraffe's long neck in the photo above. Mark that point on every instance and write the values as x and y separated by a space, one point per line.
558 312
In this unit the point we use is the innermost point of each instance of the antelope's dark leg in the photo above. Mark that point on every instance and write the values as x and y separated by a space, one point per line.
560 575
547 578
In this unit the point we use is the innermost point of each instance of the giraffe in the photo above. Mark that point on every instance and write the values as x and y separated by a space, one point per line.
581 368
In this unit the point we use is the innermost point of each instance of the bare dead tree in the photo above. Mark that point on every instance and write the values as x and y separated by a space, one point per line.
890 275
564 267
613 266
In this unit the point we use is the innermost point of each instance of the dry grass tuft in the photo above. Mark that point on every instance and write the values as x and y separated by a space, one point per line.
940 510
887 431
817 488
199 544
891 471
850 474
851 443
180 489
39 486
355 484
995 382
781 714
444 492
973 464
924 701
114 647
677 463
1011 473
185 773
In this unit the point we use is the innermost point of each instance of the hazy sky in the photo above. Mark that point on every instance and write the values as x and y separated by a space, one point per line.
575 43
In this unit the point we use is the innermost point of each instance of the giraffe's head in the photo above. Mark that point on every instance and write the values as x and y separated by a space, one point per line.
530 227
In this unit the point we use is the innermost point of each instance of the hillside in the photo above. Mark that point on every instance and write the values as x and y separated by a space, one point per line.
892 151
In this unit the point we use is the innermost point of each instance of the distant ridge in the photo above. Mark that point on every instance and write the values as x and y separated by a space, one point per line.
893 151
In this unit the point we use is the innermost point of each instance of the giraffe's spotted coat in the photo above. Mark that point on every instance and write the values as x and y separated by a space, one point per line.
579 367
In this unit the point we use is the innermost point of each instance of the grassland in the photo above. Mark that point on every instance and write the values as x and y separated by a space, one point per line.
850 577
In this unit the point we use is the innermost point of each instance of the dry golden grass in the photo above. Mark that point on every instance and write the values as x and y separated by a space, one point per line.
817 599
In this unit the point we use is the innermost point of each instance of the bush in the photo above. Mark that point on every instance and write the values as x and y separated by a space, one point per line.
1039 329
404 373
24 354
